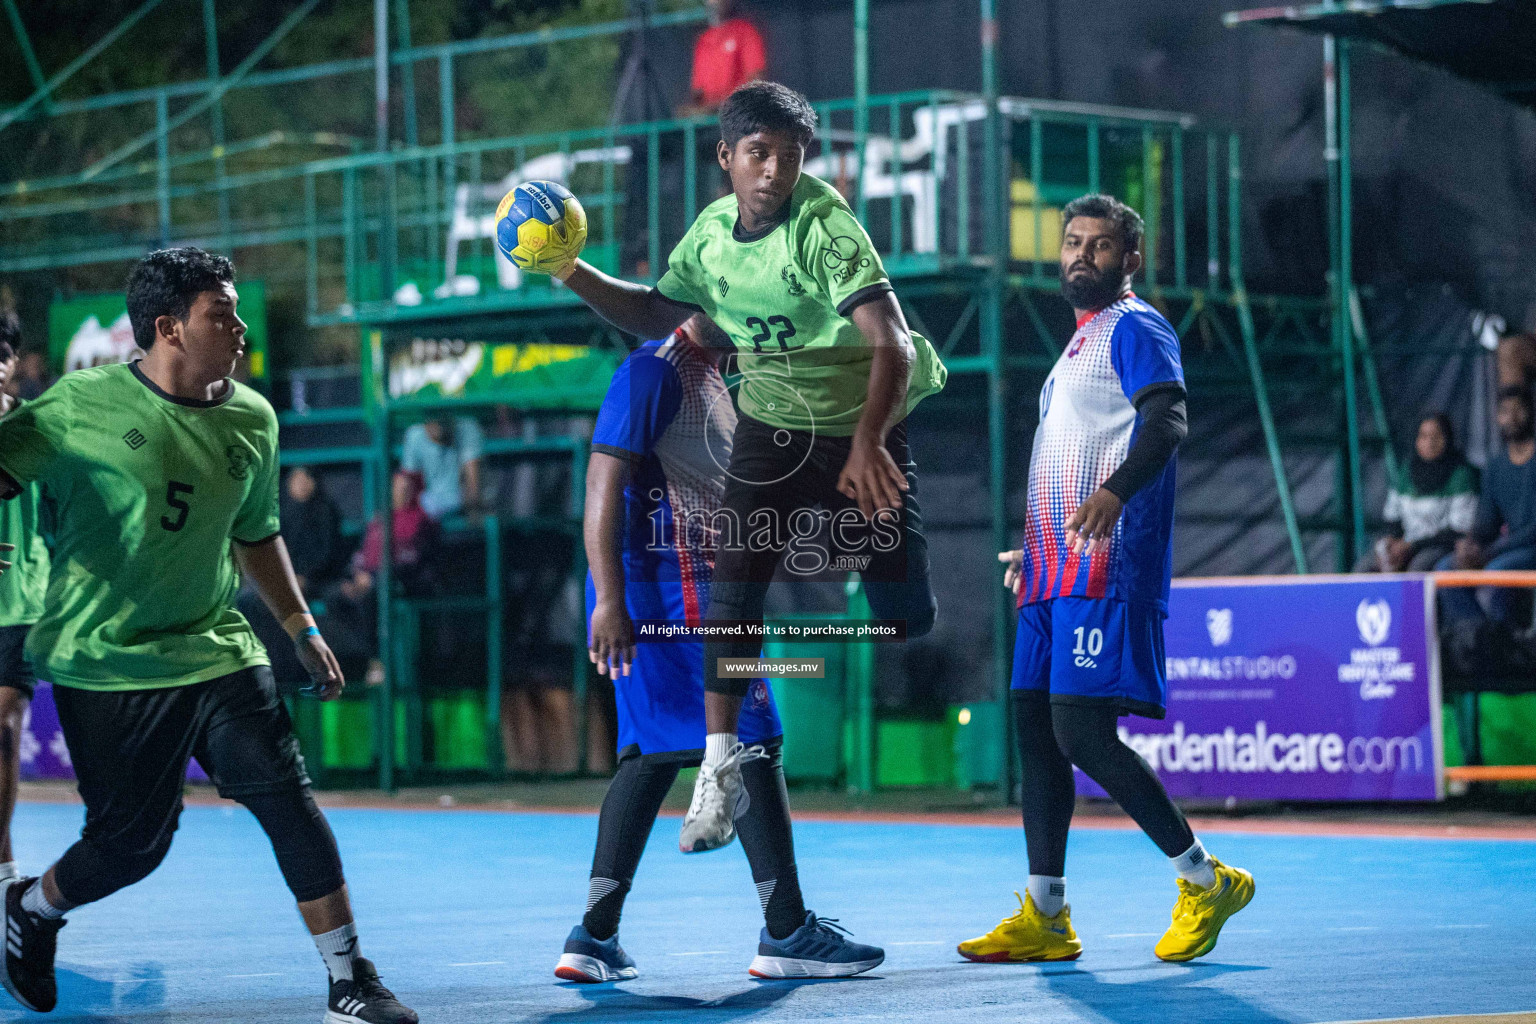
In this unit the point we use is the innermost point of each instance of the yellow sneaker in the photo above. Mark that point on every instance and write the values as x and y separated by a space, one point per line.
1200 913
1027 935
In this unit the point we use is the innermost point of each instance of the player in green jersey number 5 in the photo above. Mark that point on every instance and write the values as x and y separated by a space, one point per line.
830 372
153 468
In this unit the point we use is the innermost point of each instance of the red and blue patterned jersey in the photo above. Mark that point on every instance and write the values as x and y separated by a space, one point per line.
1088 421
667 412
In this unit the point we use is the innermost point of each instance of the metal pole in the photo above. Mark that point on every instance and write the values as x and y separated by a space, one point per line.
381 75
384 579
381 143
990 325
27 55
216 116
861 98
407 70
1342 290
1251 352
163 166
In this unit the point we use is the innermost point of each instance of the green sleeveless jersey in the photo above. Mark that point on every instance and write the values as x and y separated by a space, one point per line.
784 297
146 491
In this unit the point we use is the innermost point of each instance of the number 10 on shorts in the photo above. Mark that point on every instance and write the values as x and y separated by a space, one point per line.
1089 645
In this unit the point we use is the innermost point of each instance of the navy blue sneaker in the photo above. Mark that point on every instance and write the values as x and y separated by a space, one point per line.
589 961
819 948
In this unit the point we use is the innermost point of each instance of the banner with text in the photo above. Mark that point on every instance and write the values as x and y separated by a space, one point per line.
1314 690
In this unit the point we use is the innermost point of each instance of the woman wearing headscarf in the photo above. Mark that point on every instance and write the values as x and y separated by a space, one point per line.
1429 507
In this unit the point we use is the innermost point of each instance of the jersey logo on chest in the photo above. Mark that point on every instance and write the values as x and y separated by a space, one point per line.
134 439
240 460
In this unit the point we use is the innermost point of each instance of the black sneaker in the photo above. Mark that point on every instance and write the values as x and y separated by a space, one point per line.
365 1000
30 943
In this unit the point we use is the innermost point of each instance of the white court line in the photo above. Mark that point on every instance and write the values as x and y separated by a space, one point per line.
1459 926
1246 931
928 942
272 974
1355 928
701 952
1133 935
480 963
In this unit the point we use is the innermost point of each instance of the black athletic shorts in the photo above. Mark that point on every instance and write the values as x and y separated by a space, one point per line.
15 670
130 748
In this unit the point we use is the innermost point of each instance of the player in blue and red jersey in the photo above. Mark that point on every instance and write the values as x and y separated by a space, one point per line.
1092 584
655 484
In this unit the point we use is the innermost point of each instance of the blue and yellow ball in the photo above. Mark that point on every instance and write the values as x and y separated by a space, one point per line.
540 226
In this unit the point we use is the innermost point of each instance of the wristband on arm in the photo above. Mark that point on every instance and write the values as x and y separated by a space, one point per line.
300 624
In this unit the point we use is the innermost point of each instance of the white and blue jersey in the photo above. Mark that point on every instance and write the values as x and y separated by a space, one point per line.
1088 422
668 413
1090 627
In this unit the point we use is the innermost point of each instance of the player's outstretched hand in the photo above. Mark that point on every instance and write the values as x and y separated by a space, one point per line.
1013 572
612 648
316 657
5 548
1093 524
871 477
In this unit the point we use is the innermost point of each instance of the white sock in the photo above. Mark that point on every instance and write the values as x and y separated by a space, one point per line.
338 948
8 871
1194 866
1049 893
718 746
34 902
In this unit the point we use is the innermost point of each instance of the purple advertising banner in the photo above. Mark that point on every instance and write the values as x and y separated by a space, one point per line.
1317 689
43 752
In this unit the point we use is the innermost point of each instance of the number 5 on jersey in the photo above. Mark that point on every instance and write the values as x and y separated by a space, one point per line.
173 491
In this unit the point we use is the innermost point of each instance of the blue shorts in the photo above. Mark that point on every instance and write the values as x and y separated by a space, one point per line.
661 701
1079 650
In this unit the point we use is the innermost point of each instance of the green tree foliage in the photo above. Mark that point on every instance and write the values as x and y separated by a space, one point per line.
542 88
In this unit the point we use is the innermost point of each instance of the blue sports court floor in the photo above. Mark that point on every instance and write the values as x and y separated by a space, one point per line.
465 913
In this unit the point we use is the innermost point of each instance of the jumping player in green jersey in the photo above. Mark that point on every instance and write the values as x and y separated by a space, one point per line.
830 372
21 603
162 477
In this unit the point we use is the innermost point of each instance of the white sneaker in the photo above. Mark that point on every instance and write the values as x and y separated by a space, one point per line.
719 798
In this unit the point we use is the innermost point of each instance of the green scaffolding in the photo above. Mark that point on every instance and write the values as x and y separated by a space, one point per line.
975 280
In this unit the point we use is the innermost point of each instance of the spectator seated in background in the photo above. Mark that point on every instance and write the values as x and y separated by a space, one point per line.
311 530
32 377
726 56
446 452
351 605
1504 532
1430 507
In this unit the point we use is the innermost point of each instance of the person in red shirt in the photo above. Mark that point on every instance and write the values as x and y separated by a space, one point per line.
727 55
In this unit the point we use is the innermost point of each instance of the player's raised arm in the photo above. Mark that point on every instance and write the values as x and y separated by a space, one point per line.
632 308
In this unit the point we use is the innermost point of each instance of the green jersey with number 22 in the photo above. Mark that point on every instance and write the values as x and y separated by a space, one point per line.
148 491
784 296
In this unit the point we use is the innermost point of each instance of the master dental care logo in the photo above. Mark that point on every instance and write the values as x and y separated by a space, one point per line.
1378 669
1218 623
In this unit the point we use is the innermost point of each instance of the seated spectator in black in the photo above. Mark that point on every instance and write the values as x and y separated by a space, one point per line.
351 605
32 376
311 530
1430 507
1504 532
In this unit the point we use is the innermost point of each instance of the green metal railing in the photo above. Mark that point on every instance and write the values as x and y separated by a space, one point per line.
931 173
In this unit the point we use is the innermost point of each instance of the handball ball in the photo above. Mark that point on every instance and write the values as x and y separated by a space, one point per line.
540 226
